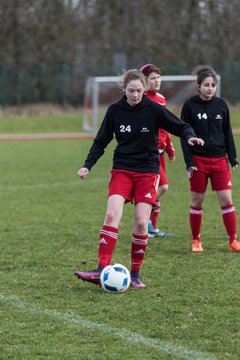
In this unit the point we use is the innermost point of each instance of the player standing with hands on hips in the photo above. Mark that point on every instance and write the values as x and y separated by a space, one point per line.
153 79
134 121
209 117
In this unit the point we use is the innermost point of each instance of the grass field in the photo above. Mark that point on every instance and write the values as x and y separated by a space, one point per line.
64 123
49 228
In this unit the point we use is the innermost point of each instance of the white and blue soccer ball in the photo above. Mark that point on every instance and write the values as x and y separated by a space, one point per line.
115 278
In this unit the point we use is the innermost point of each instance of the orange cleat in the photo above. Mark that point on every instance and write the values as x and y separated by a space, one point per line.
197 246
234 246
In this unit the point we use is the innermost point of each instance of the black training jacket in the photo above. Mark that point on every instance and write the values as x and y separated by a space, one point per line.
136 131
211 122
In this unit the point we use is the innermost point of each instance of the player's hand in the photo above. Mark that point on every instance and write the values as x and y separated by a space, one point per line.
83 172
235 167
171 158
191 170
195 140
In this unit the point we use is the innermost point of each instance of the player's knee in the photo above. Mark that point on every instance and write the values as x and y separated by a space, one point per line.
111 216
141 225
197 203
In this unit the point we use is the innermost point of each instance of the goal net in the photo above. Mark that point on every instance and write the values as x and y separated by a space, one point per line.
100 91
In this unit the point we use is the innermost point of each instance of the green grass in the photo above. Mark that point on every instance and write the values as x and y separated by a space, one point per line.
65 123
50 221
235 120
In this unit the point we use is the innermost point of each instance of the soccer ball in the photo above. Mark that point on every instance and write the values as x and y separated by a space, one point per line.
115 278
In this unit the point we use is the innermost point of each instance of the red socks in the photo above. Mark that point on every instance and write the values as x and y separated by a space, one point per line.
139 244
230 221
107 241
155 213
195 219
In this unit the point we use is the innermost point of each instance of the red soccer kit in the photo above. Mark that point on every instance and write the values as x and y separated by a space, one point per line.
164 139
134 187
217 169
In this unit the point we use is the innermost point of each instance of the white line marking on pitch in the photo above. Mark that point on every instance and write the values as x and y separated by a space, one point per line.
48 186
132 337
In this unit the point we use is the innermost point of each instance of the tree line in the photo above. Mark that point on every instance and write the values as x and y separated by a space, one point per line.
46 42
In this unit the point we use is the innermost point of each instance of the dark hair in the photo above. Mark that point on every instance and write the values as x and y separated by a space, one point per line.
149 68
204 71
129 75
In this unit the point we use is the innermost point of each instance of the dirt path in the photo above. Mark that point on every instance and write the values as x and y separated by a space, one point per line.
60 136
57 136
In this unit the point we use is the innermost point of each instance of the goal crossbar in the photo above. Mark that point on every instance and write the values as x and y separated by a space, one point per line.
92 88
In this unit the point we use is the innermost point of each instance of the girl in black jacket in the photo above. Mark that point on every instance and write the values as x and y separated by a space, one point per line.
134 121
209 117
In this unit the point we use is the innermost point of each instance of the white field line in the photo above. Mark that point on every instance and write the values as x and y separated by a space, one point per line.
50 185
129 336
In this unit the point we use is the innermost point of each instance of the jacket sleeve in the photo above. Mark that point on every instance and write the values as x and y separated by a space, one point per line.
171 123
186 149
102 139
169 146
229 140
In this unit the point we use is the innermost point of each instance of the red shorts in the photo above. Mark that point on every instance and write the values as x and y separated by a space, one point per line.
134 187
217 169
163 175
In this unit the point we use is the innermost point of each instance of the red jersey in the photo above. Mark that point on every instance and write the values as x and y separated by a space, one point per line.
159 98
164 138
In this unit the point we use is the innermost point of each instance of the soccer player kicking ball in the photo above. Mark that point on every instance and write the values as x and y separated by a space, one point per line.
209 117
134 121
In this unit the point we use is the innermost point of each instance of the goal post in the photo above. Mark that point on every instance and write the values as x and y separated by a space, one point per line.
100 91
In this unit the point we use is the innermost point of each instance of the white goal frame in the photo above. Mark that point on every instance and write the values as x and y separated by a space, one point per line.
92 86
